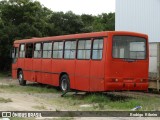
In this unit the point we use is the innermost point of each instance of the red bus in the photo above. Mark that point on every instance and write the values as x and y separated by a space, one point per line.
98 61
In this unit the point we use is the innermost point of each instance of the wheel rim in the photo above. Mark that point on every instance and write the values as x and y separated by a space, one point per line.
20 77
64 85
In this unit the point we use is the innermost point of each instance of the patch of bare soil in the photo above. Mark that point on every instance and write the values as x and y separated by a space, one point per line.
40 102
7 81
24 101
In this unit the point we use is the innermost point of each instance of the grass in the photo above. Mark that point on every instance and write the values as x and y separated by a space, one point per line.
61 118
30 88
41 107
4 74
102 101
3 100
18 118
98 101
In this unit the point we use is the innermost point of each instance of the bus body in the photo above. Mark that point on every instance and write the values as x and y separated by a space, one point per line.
98 61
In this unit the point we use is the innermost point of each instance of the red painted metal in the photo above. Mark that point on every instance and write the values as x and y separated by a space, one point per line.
108 74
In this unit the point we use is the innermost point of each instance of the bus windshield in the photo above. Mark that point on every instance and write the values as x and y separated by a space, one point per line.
129 47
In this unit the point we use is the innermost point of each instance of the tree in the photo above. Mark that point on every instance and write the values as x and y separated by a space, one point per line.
104 22
20 19
88 22
108 20
66 23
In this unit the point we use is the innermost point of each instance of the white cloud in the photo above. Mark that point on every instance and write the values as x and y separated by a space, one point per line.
80 6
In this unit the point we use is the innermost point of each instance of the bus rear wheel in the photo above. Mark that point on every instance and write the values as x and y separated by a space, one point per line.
21 78
64 83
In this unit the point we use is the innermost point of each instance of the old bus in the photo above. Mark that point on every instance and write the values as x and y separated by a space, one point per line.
98 61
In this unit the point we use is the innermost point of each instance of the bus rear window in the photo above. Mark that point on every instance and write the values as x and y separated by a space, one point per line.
129 47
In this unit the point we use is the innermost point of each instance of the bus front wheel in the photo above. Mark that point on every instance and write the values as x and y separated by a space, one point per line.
64 83
21 78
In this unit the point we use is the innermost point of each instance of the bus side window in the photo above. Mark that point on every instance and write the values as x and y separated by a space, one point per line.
22 51
47 50
97 49
13 53
16 52
29 50
37 50
70 50
84 49
58 50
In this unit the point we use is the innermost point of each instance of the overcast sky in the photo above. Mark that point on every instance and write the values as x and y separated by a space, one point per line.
93 7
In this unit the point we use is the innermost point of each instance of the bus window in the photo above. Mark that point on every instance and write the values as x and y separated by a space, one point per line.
22 51
84 49
137 50
70 50
14 55
47 50
129 47
97 49
37 50
29 50
58 50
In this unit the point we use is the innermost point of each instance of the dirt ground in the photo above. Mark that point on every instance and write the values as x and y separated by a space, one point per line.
24 101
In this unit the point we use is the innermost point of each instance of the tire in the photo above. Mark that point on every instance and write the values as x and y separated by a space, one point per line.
21 78
64 83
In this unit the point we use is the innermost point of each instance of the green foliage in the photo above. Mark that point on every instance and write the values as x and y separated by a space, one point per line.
66 23
3 100
4 74
20 19
30 88
96 98
111 102
41 107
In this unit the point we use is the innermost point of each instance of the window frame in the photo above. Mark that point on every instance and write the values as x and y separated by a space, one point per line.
146 55
58 49
23 51
75 57
37 50
103 39
84 39
15 51
26 49
42 49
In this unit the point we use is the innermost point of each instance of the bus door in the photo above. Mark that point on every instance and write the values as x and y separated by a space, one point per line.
14 62
97 65
82 72
37 62
47 63
21 59
28 64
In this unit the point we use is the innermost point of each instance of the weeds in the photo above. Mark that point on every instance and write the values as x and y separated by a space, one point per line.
115 102
97 101
42 107
4 74
30 88
3 100
18 118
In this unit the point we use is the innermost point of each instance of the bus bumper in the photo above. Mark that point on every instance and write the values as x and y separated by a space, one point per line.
111 86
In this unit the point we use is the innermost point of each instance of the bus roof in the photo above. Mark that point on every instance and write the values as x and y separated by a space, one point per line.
74 36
